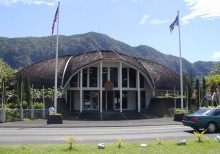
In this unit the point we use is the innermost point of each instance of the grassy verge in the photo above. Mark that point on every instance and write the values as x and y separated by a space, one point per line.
166 147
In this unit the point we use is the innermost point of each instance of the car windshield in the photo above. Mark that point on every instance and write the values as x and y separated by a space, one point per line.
204 112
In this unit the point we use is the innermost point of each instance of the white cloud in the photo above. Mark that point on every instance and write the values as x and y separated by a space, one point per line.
158 21
28 2
205 9
144 19
216 55
135 1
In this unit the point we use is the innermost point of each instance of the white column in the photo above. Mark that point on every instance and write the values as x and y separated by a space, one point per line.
3 115
88 75
81 100
120 85
70 99
100 92
139 92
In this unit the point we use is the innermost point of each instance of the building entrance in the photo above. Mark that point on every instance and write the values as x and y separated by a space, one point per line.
107 100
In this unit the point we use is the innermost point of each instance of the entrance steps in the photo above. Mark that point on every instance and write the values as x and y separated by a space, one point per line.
95 115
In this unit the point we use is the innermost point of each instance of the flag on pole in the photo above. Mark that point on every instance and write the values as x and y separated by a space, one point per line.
55 18
174 23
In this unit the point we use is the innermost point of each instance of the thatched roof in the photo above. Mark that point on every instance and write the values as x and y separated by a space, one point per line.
42 73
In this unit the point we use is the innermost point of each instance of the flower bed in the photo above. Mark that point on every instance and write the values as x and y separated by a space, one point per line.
55 119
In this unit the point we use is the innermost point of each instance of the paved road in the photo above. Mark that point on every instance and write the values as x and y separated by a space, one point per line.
39 132
94 134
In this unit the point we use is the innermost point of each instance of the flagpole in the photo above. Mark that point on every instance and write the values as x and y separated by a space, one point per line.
56 63
181 68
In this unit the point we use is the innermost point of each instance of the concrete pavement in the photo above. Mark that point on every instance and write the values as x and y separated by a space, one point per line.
42 123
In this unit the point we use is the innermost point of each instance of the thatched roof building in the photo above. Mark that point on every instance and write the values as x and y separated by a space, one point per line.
104 80
42 73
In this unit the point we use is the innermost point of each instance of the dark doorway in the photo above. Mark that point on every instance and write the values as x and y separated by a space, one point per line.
70 99
107 100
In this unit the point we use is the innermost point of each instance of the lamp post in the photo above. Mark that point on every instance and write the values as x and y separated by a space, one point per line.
218 95
3 109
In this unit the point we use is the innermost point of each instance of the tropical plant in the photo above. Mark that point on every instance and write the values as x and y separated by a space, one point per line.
213 81
200 135
119 142
71 140
159 141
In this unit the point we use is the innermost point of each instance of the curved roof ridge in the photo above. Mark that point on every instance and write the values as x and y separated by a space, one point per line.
100 53
64 71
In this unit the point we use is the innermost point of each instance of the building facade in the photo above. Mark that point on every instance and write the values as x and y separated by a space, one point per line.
104 80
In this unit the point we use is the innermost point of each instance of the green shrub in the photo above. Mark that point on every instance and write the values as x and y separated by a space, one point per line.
179 111
13 105
12 114
25 105
38 105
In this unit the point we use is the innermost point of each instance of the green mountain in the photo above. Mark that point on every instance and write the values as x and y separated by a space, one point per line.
21 52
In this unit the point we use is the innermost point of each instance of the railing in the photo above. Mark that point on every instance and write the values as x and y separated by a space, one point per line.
15 114
168 93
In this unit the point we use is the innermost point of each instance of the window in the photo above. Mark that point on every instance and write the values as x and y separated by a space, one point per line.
124 77
74 81
94 99
143 98
124 99
86 101
91 100
104 75
117 100
114 76
85 77
132 78
216 113
93 77
141 81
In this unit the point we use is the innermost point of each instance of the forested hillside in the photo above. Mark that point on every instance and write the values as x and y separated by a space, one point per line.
21 52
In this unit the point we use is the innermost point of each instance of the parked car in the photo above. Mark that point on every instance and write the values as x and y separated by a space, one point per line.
205 118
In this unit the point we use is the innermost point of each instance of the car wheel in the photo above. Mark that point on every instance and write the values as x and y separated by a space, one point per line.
211 127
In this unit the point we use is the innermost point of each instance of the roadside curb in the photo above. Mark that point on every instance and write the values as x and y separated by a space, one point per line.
85 124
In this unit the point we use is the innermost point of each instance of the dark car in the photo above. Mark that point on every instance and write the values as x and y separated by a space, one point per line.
205 118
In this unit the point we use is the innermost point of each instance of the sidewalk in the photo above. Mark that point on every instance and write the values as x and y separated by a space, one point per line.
42 123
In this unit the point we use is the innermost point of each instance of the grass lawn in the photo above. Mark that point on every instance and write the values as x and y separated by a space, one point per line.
167 147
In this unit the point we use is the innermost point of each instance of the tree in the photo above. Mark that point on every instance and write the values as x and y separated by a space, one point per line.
19 89
6 71
27 91
213 81
6 75
216 69
204 87
189 78
197 93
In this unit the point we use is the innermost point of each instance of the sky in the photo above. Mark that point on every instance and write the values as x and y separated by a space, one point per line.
134 22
